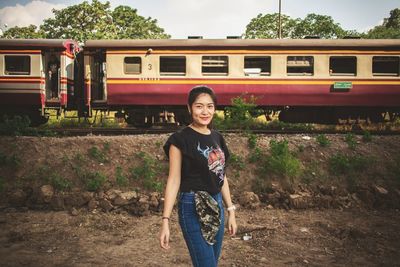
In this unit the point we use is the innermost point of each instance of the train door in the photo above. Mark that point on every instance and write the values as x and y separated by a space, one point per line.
98 71
52 75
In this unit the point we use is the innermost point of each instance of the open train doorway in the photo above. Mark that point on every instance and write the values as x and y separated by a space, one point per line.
52 72
99 73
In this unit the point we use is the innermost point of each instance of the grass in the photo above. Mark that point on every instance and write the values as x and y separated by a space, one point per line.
252 140
351 141
147 172
97 154
341 164
120 177
60 183
94 180
322 140
11 161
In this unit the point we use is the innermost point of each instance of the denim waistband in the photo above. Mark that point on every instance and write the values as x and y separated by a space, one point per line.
190 196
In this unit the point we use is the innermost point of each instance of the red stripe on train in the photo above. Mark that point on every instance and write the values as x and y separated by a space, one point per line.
271 95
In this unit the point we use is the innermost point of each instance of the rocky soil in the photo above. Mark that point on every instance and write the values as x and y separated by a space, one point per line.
51 216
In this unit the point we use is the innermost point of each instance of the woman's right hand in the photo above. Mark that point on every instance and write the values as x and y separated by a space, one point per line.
164 235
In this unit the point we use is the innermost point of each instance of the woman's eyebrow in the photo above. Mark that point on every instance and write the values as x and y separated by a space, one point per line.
198 103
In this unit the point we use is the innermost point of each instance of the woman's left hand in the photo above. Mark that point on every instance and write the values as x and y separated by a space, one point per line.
232 227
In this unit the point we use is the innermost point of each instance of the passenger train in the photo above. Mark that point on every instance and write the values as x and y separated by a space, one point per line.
305 80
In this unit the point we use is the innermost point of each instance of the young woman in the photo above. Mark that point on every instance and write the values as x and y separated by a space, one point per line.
197 156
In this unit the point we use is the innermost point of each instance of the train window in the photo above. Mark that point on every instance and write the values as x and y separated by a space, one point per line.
17 65
263 64
386 66
214 65
175 66
132 65
343 66
300 65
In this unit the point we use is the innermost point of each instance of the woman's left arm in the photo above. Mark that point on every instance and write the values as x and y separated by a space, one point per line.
226 195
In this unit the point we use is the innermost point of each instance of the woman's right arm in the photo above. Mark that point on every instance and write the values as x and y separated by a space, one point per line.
171 190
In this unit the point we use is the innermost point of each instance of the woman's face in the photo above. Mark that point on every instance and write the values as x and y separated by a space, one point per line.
203 110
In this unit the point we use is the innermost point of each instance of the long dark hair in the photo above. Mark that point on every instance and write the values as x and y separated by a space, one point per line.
198 90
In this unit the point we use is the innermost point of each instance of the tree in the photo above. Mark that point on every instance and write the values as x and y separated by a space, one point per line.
93 20
266 26
129 25
29 32
318 25
390 28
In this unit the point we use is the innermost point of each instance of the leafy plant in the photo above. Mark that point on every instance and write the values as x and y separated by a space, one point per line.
94 181
351 141
252 140
237 162
255 155
59 182
97 154
367 137
120 178
12 161
147 172
343 164
281 161
323 140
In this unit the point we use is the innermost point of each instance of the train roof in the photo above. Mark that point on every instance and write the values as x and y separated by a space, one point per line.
248 43
37 43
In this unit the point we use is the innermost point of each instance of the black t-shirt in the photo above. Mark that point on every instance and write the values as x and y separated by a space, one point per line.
204 159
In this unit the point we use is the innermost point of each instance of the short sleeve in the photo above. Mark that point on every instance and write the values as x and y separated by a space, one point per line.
224 148
177 140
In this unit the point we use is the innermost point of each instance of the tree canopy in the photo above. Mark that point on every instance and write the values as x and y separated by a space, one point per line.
266 26
390 28
93 20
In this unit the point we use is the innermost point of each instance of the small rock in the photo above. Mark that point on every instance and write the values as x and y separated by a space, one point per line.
306 137
74 212
380 190
105 205
250 200
92 205
119 201
270 207
46 192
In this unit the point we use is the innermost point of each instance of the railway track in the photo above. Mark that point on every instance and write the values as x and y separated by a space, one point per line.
137 131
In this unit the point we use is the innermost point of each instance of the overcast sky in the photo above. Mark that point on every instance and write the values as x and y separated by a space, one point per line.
212 18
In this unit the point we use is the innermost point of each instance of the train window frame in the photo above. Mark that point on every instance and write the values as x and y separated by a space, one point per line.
344 65
258 73
216 58
394 74
126 65
172 73
24 71
299 64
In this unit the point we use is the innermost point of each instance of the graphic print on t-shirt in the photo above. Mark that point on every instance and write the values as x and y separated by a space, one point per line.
215 158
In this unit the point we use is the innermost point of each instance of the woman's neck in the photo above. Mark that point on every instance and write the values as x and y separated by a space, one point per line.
202 128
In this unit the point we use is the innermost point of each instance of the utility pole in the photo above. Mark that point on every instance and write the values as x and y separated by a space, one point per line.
280 21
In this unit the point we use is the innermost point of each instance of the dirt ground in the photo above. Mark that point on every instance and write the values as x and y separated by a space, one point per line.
279 238
351 236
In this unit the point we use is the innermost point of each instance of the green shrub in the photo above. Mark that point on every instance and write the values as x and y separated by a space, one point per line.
351 141
94 181
343 164
237 162
323 140
367 137
255 155
60 183
281 161
120 178
12 161
147 172
252 140
97 154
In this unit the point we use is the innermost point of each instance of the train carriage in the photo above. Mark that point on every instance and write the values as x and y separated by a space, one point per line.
36 74
308 80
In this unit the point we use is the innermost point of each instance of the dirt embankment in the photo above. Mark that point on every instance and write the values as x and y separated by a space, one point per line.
103 193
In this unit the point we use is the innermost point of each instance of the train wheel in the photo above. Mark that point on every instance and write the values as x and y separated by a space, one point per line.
139 119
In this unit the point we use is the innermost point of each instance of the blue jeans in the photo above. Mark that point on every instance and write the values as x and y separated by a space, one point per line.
202 254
